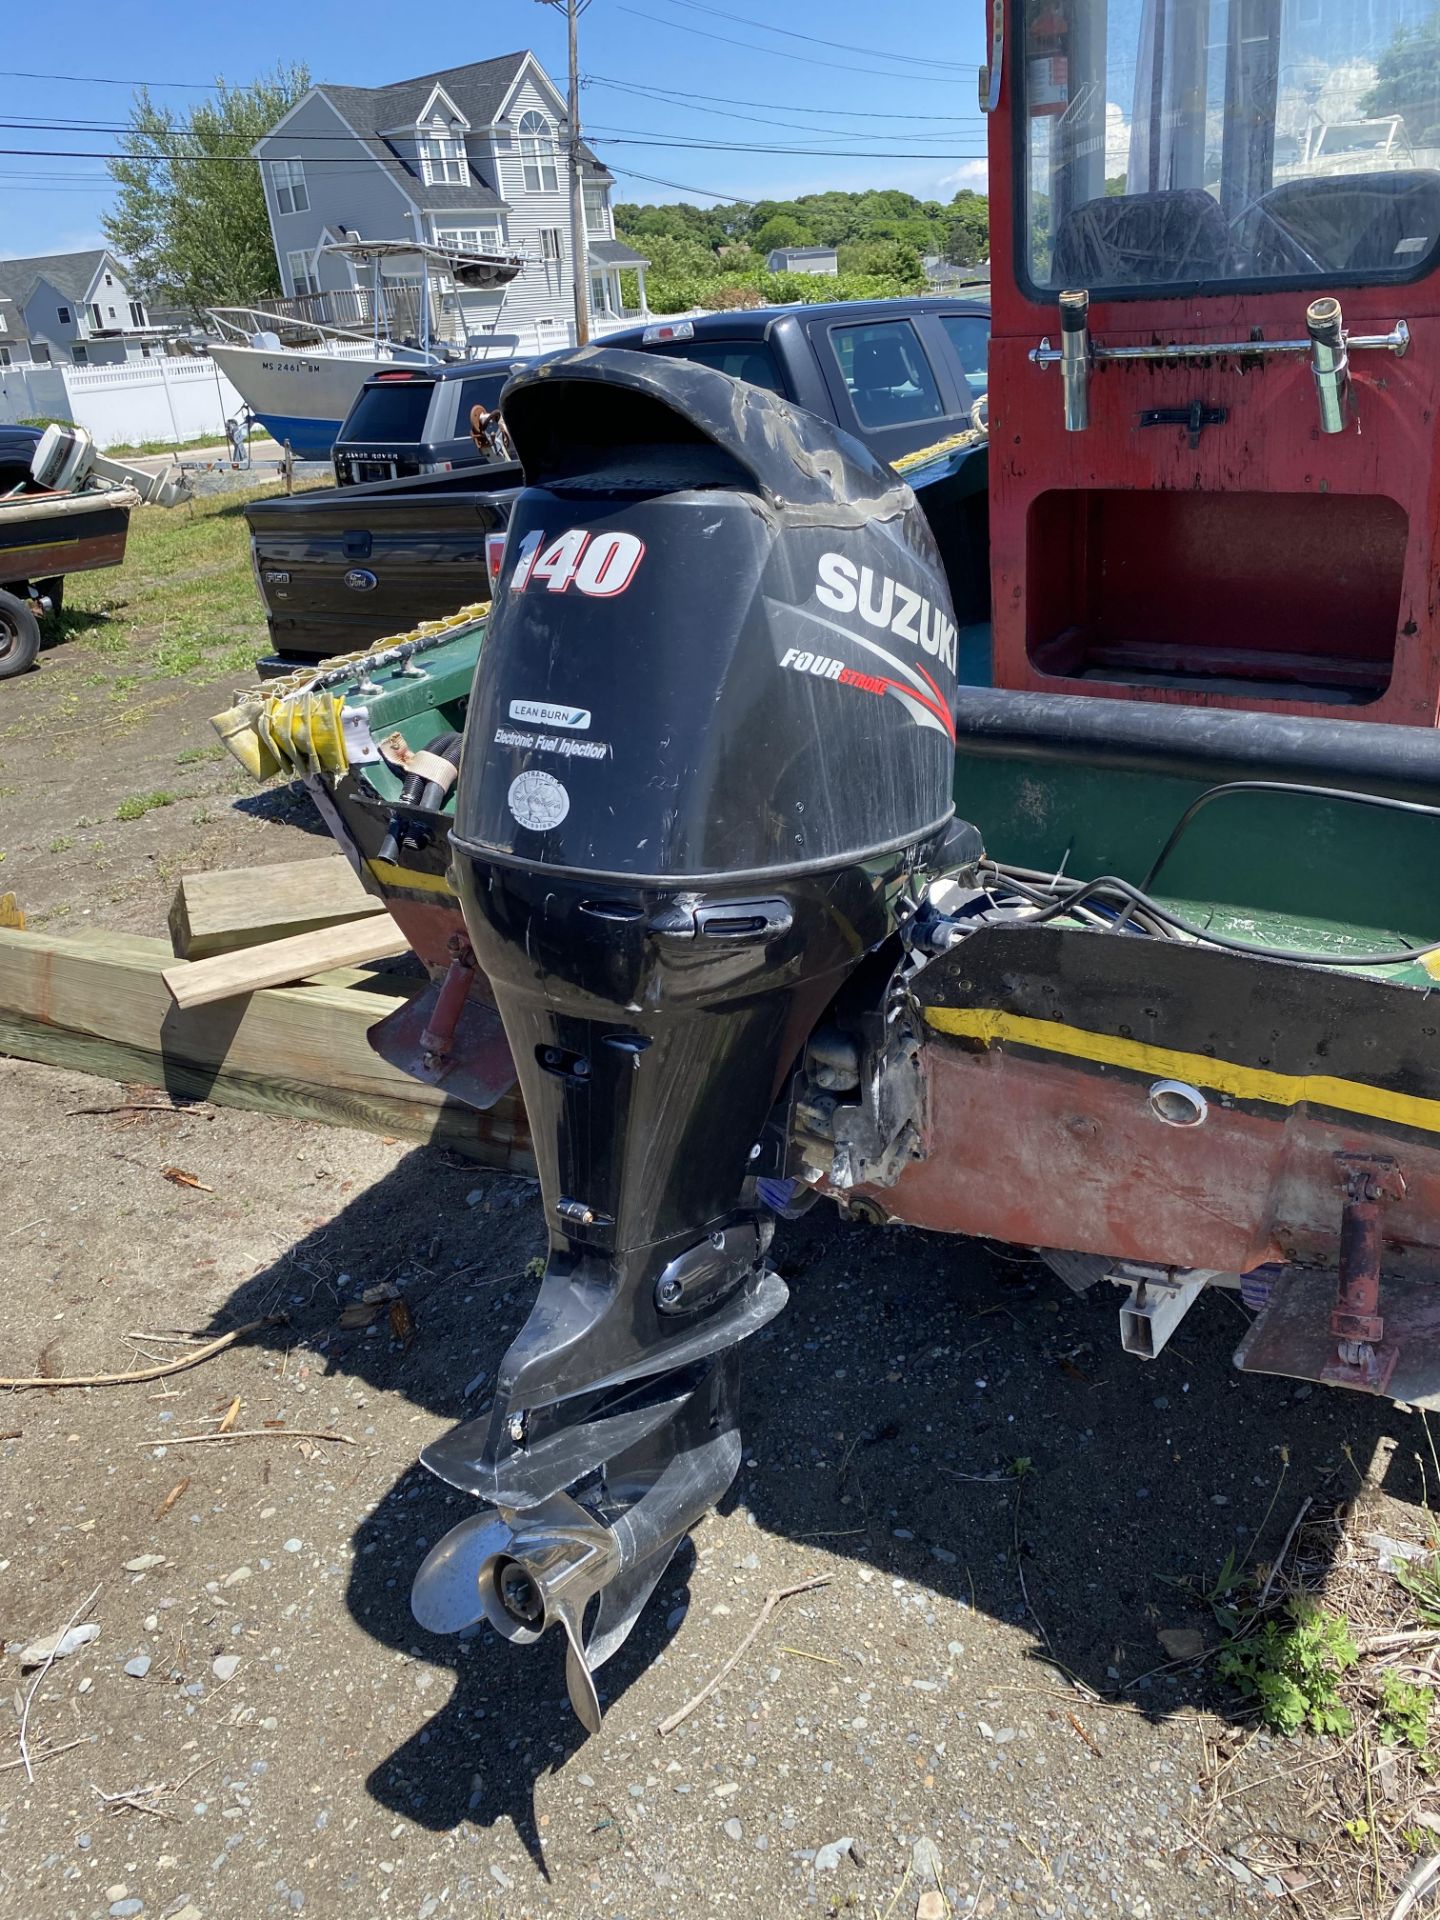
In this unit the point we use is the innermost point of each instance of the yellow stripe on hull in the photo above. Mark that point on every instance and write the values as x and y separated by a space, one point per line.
988 1025
405 880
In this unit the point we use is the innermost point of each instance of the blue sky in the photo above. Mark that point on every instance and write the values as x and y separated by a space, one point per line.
54 204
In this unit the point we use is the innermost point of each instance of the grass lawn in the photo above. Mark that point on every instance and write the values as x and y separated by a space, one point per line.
184 604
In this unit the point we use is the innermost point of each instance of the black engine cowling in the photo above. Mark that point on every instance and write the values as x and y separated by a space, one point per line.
708 753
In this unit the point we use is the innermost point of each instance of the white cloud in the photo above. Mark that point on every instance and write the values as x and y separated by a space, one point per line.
970 173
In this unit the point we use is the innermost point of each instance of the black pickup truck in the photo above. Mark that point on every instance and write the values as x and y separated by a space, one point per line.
340 568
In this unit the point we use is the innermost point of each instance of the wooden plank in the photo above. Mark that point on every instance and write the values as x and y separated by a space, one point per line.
298 1051
244 907
196 983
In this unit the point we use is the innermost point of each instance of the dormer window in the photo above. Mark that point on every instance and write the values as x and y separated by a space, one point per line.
537 153
442 157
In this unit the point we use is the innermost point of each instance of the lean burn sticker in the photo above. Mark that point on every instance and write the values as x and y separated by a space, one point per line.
547 713
538 800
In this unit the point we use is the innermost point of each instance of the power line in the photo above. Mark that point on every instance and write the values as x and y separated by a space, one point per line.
611 140
911 59
779 53
779 106
104 80
678 186
761 120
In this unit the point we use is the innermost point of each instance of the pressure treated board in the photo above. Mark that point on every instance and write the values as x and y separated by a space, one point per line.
281 963
101 1006
220 912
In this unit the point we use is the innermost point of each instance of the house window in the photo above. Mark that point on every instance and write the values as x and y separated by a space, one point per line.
96 317
108 281
537 153
484 239
62 314
550 243
4 356
291 194
597 213
4 324
598 301
442 158
80 355
137 314
302 278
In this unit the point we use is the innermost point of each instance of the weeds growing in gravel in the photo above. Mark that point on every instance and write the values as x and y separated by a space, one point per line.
136 805
1293 1672
1405 1715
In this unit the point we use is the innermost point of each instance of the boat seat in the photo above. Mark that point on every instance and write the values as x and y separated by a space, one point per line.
1131 239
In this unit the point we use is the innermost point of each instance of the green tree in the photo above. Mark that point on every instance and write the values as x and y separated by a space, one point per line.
1407 80
782 230
968 241
189 215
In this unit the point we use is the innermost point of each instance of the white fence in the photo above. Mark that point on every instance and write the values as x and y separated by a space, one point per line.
129 402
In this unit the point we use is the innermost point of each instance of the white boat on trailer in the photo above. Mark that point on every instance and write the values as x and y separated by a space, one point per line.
298 370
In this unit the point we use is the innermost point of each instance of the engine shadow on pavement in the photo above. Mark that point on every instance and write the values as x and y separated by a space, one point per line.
930 1408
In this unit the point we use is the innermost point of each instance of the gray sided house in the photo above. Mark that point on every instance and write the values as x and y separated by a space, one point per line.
802 260
71 309
473 157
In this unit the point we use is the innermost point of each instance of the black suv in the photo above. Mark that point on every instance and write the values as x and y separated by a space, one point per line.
410 420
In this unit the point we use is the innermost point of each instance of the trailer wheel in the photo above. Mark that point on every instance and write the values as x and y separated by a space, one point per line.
19 636
54 592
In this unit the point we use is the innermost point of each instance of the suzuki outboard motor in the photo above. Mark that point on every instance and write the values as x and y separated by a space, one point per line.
707 762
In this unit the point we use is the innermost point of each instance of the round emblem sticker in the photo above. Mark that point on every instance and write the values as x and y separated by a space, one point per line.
538 800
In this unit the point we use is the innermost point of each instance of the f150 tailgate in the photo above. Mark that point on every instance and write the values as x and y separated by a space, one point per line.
341 568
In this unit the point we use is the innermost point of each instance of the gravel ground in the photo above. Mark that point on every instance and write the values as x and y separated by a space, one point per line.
317 1750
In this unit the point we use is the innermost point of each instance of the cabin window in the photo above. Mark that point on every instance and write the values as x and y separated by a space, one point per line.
537 153
291 193
1184 143
886 373
970 337
442 158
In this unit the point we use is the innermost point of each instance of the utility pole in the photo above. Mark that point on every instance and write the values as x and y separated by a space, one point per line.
580 261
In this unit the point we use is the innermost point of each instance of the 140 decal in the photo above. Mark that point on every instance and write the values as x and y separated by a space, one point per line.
599 564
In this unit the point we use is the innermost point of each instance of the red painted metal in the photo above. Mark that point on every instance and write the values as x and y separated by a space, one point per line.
1080 1162
1121 548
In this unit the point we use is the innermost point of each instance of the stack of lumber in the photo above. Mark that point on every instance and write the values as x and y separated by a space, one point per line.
277 1024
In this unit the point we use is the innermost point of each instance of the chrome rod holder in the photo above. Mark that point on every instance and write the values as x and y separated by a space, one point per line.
1329 361
1177 352
1075 359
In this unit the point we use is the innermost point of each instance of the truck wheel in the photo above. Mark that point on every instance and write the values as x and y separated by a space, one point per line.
19 636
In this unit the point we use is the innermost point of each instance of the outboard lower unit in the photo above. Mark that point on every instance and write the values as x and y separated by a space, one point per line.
707 764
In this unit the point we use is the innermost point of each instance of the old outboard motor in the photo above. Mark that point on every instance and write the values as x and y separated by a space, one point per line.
708 756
